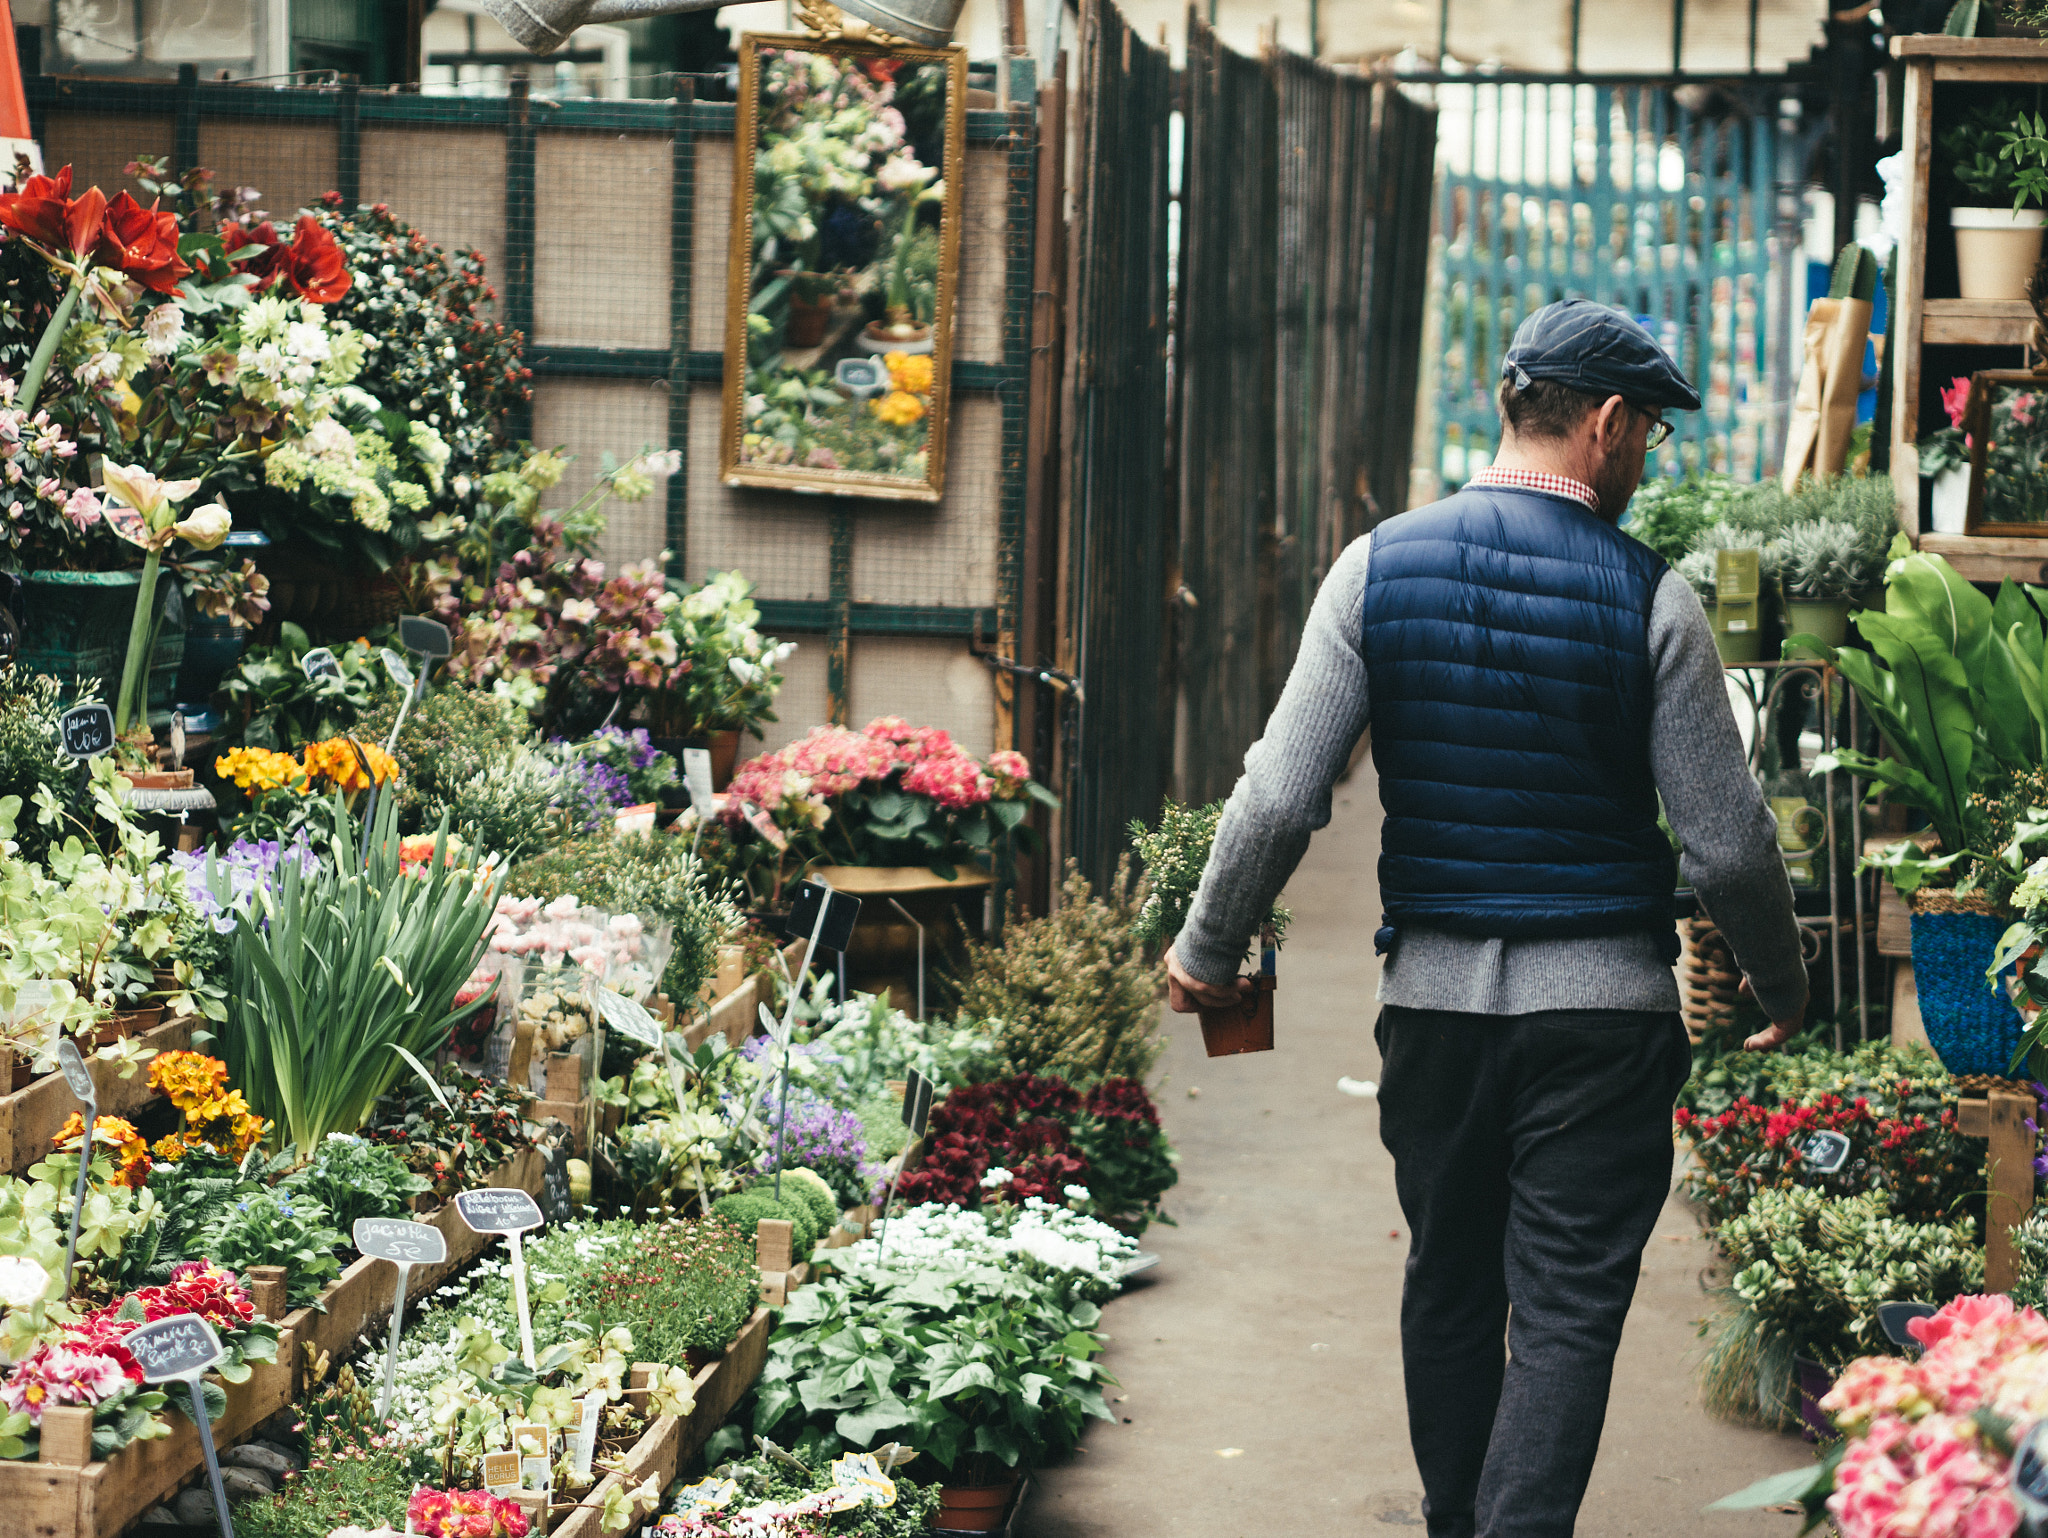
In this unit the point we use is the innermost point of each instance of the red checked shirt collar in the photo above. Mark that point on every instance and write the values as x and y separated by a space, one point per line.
1539 480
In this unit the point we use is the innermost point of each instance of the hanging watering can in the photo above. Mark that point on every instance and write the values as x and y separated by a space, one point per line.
542 26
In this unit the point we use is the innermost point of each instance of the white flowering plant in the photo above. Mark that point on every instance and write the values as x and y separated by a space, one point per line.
732 671
968 1335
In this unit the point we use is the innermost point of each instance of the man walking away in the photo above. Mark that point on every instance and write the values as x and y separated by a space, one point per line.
1534 680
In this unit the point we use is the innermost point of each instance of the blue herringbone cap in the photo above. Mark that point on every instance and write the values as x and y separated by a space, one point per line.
1586 346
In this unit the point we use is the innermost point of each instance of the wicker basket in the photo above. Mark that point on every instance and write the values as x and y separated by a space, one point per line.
1708 978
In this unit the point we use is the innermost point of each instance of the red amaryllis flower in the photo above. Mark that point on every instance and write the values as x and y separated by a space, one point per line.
143 243
312 265
46 212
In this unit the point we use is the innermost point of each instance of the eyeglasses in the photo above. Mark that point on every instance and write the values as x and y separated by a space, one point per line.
1660 433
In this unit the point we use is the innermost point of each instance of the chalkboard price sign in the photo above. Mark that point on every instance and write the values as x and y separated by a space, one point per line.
401 1242
76 1074
498 1210
180 1347
86 730
396 666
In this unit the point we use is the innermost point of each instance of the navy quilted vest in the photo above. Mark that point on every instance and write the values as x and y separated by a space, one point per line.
1507 656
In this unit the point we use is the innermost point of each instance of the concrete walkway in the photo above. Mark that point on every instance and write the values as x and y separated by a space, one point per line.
1260 1364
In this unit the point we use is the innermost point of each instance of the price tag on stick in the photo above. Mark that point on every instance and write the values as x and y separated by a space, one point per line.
1826 1152
181 1349
320 663
697 775
86 731
405 1244
917 1114
79 1077
509 1211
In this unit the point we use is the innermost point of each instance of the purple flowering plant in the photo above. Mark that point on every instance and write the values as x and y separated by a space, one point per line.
819 1136
219 882
630 758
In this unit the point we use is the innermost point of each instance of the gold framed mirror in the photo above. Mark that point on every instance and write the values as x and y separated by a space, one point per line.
843 266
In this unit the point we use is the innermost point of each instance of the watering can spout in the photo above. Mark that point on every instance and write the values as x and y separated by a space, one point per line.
542 26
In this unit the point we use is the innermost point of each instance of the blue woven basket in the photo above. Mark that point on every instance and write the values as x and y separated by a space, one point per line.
1971 1023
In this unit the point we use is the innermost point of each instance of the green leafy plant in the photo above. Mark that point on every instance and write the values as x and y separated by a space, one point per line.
450 737
682 1288
1809 1272
1667 514
1975 146
353 1178
280 1228
1175 854
271 703
333 971
1071 994
746 1209
781 1476
457 1144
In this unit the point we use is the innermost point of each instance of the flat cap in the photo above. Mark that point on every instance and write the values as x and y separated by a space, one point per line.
1587 346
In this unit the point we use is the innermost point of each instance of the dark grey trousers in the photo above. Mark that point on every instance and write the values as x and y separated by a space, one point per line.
1532 1154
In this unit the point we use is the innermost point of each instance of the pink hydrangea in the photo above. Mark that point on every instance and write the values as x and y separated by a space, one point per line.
955 781
1872 1386
1934 1478
61 1375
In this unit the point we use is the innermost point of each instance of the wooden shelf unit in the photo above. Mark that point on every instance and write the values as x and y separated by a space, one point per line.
1930 60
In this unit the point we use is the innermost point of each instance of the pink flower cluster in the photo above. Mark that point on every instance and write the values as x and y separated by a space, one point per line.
464 1514
62 1375
1917 1463
956 782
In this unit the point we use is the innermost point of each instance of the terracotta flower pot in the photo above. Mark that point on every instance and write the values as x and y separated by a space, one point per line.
973 1508
158 779
808 319
127 1022
1246 1027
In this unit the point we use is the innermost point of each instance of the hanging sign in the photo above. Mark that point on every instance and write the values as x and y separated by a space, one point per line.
511 1212
181 1349
405 1244
79 1077
86 731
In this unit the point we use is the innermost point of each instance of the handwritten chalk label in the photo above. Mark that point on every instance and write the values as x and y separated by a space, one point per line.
86 730
498 1210
180 1347
501 1473
1826 1152
396 666
697 775
320 663
427 637
76 1074
511 1212
400 1241
628 1018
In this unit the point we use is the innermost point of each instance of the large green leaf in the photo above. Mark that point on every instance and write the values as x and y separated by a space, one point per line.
1932 694
1773 1490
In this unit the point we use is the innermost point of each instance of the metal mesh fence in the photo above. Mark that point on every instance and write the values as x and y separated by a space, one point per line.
604 224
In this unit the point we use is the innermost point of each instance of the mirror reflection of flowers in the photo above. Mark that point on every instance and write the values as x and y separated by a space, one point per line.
2016 458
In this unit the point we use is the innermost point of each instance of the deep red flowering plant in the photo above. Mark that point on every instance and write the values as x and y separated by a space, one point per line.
311 265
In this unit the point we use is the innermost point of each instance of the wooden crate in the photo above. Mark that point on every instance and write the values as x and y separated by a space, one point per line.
737 1015
2004 1119
671 1441
99 1500
30 1117
360 1298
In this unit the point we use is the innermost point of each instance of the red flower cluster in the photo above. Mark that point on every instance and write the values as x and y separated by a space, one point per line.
312 266
1122 1100
1018 1124
464 1514
141 242
196 1287
1926 1162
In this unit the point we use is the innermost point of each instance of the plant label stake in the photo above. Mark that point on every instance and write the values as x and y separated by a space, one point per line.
509 1211
911 919
405 1244
697 775
86 731
917 1114
320 663
832 927
2030 1480
629 1017
1826 1152
79 1077
181 1349
1893 1318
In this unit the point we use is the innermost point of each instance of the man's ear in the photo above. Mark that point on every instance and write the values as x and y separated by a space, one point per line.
1610 420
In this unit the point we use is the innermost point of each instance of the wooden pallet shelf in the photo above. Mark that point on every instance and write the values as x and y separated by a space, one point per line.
30 1117
1985 558
1976 322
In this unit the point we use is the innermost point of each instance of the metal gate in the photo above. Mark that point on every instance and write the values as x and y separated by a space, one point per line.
1656 197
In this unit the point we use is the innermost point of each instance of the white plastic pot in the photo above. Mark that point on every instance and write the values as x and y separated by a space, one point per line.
1996 250
1951 499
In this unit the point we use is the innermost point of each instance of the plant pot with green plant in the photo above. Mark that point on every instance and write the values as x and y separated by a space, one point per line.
1834 553
1999 155
1175 853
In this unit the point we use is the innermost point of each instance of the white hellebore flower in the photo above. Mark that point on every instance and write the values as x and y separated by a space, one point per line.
22 1281
161 330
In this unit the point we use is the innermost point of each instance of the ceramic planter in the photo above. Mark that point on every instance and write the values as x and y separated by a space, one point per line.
1951 503
973 1508
1814 1383
1246 1027
1996 250
1826 619
1972 1028
1739 646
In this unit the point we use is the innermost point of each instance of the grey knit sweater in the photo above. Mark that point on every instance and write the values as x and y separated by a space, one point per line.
1710 798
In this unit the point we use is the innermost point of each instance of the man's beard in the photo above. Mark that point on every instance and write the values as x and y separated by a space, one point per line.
1614 482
